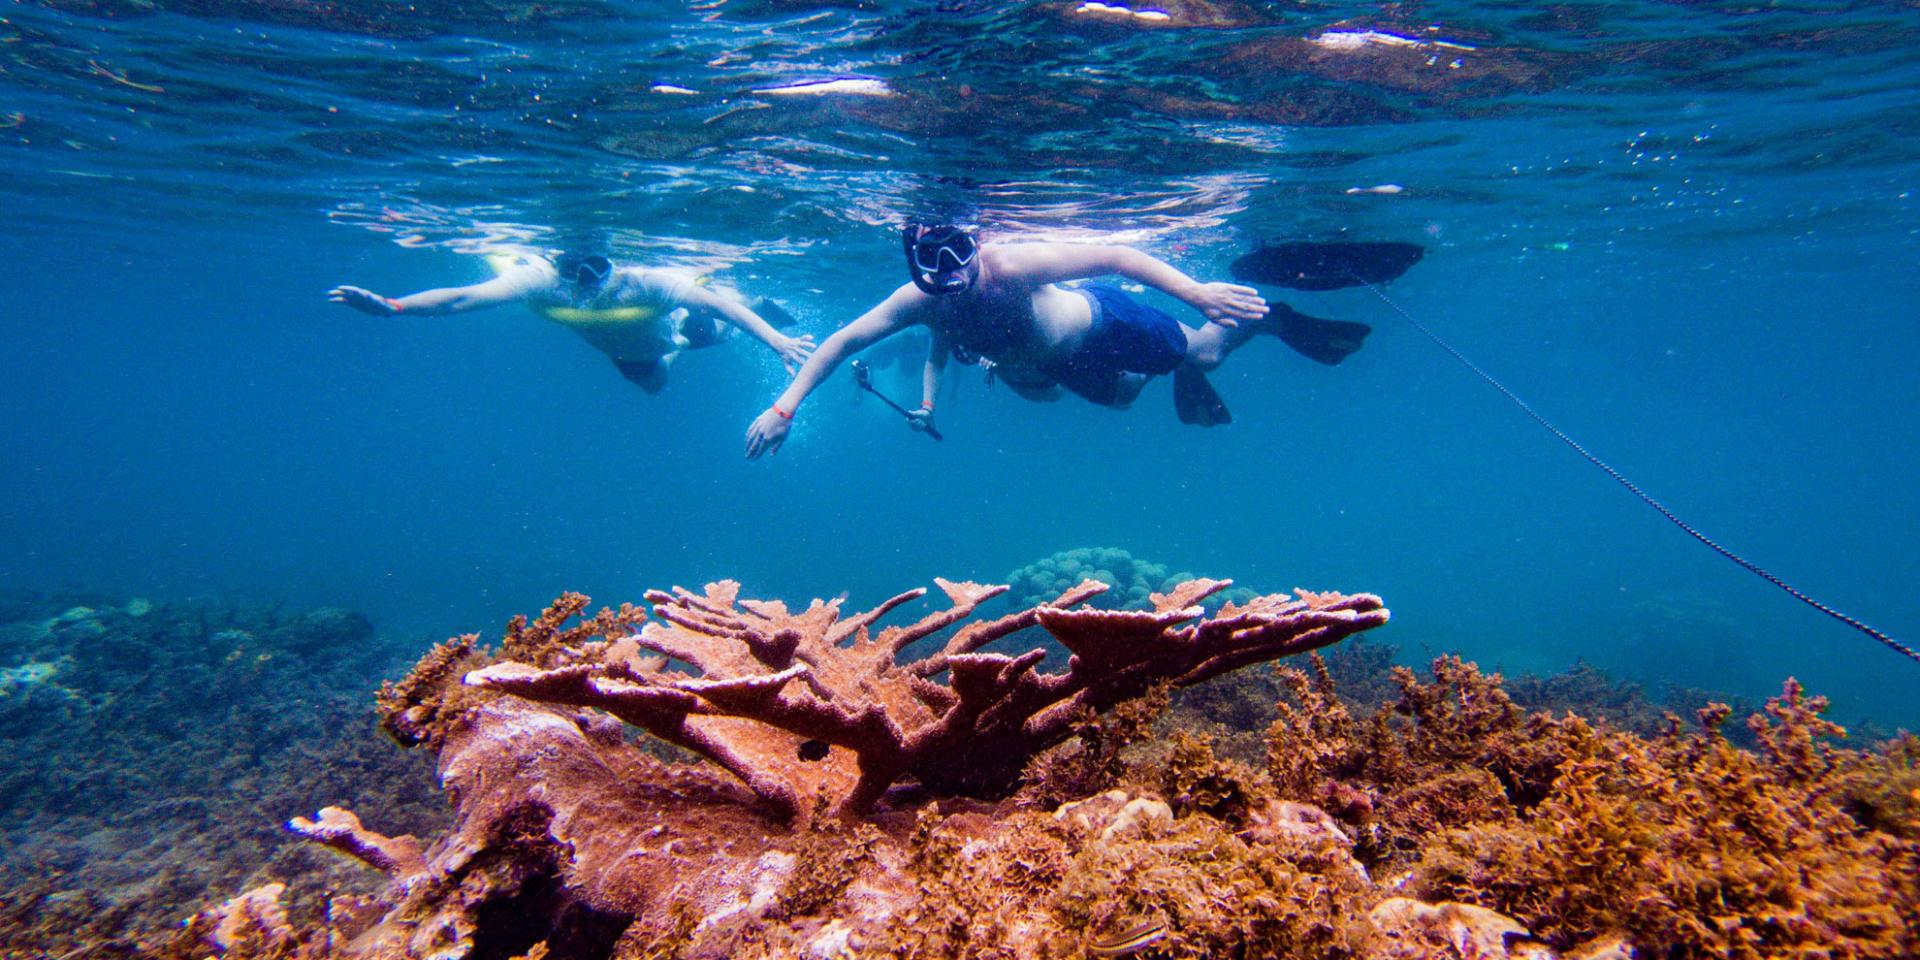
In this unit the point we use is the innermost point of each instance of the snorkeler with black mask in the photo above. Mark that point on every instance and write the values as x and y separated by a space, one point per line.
1004 302
640 317
941 259
585 270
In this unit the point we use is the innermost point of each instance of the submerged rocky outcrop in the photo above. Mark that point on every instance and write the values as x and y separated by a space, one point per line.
721 777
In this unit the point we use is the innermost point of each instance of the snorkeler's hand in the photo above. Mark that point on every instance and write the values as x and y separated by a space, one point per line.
365 301
1228 303
794 351
920 420
768 432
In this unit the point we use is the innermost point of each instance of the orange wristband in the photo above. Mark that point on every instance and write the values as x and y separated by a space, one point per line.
395 304
784 415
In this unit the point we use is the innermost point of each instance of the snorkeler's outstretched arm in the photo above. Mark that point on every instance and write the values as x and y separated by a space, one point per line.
506 288
904 308
1038 263
792 351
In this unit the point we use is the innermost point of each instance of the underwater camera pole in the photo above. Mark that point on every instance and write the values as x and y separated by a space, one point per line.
863 378
1634 488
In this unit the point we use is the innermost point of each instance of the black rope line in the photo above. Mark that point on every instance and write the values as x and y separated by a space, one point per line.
1622 479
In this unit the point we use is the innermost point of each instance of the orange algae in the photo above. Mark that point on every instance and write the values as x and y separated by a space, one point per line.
1684 842
1196 781
1093 760
546 641
1218 894
1691 843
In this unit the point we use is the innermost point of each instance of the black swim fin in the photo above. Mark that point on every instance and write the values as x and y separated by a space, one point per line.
1325 341
1194 399
1326 266
773 313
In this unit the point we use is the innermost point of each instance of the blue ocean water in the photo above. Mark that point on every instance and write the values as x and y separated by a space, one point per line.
1687 232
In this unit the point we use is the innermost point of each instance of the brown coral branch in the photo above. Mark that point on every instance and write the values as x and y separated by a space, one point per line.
848 627
965 597
397 857
974 636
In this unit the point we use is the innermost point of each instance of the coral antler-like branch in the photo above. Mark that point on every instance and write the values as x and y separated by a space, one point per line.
802 704
398 857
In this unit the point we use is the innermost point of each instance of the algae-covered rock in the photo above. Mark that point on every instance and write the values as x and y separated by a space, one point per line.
152 749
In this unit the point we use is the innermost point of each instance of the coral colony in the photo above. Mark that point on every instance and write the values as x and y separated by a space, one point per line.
772 685
573 835
714 776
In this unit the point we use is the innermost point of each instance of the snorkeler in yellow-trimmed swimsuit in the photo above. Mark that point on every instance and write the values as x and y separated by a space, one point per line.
640 317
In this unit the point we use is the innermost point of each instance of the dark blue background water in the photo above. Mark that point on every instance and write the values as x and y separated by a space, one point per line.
1687 232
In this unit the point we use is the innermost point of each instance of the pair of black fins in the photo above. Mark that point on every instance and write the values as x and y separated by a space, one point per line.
1301 266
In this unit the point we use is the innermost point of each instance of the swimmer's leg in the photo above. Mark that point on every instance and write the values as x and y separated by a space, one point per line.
1195 401
1325 341
1129 386
1208 346
648 375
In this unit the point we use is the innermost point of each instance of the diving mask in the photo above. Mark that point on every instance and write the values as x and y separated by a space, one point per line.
589 270
942 258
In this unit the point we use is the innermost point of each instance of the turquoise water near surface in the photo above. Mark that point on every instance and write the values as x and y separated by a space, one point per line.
1685 232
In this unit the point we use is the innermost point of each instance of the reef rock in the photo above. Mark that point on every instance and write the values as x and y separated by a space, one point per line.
1413 930
1113 814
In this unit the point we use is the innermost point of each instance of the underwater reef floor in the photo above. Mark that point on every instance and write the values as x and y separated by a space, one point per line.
737 788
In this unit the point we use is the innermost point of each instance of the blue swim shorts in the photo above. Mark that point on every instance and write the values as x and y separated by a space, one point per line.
1126 337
